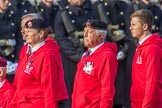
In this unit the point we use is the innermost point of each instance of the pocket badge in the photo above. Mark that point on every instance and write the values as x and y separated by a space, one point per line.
88 67
139 60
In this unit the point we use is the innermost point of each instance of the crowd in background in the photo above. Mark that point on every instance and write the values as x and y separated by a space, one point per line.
66 19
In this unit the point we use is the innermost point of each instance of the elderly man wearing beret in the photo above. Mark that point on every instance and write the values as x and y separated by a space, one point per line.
7 90
95 76
40 78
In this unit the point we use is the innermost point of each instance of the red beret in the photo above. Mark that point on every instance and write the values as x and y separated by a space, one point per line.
3 62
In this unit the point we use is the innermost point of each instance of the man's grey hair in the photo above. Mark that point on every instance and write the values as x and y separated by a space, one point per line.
103 32
32 15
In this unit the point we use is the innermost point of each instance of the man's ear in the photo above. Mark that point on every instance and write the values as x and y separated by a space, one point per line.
1 72
41 33
145 26
100 37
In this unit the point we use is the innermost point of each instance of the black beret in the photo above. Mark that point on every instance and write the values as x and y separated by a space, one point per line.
37 24
3 62
96 24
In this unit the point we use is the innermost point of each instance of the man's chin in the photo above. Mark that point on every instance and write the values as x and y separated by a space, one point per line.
4 10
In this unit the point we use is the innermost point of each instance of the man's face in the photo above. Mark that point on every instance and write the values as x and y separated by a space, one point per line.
48 3
146 1
2 73
76 2
90 38
33 36
137 28
23 21
4 5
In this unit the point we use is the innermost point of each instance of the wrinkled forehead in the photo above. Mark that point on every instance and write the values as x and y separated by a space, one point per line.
31 30
89 29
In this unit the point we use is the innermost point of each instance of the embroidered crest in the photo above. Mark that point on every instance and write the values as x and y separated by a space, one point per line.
139 60
28 68
88 67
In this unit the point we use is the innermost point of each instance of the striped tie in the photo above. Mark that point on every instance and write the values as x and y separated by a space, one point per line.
29 51
88 52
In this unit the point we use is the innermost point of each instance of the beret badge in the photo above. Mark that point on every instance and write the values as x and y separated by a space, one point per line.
30 24
95 24
88 24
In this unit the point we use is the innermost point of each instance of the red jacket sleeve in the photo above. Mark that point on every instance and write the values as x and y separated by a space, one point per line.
152 68
49 81
107 81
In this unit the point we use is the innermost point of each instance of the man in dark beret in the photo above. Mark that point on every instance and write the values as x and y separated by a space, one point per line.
39 75
6 89
68 31
95 76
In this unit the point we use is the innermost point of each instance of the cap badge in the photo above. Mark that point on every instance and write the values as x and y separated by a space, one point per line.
30 24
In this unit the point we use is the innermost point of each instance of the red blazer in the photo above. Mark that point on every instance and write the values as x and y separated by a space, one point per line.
40 79
146 89
6 94
94 80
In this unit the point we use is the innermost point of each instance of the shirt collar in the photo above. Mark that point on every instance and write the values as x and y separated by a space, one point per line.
143 40
95 48
2 83
37 46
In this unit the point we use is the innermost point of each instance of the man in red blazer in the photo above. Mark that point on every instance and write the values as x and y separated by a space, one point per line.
146 89
39 77
96 71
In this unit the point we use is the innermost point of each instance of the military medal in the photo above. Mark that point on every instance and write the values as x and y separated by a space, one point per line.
28 68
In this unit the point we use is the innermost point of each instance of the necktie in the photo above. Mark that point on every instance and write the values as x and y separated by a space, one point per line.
88 52
29 51
137 45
